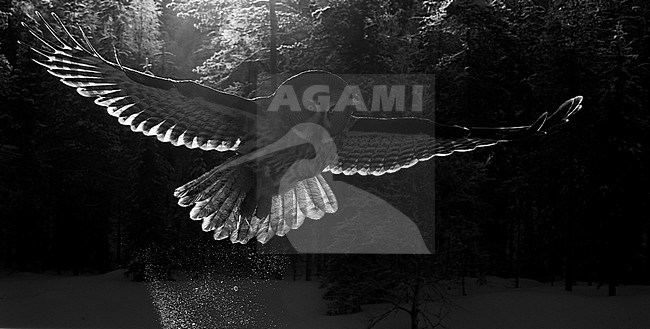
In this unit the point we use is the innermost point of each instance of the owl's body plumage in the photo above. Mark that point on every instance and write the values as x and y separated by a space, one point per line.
274 182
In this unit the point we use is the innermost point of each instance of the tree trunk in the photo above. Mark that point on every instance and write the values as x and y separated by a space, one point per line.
118 250
613 254
568 249
516 264
415 307
273 51
308 267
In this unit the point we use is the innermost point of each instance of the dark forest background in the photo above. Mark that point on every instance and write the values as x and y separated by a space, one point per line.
80 193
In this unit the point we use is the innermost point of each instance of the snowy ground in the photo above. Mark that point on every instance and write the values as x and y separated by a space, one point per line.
49 301
536 305
112 301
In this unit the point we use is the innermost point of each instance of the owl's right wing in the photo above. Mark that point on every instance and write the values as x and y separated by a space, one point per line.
177 111
375 146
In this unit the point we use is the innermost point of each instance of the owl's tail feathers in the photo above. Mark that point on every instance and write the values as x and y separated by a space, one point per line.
227 202
310 198
217 198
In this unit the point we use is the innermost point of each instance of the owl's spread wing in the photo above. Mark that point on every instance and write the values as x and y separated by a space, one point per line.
376 146
180 112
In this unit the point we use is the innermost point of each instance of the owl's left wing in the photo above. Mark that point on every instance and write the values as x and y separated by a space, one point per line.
181 112
375 146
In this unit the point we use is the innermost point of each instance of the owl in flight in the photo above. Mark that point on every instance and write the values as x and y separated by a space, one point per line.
280 144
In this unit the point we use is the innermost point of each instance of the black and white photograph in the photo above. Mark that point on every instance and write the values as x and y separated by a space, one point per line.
324 164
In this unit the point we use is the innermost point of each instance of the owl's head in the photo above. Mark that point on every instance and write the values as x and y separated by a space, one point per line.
317 97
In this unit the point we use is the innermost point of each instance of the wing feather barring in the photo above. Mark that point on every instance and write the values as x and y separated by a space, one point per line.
274 180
